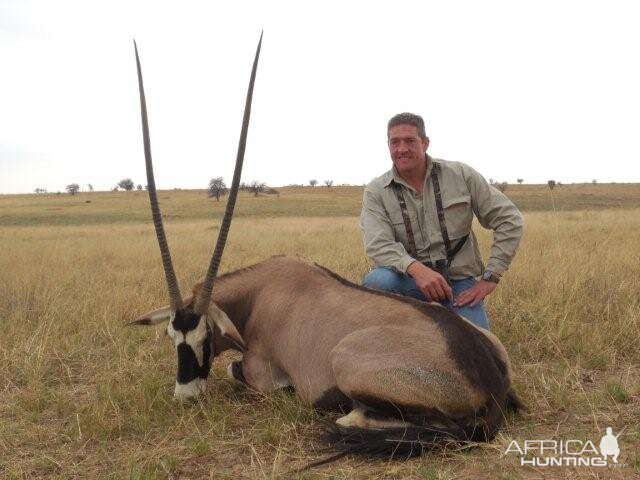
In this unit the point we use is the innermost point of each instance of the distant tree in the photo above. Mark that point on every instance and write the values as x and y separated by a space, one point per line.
313 182
520 180
126 184
502 186
72 188
216 188
328 183
90 187
594 181
491 181
139 187
257 187
114 189
243 187
551 184
40 190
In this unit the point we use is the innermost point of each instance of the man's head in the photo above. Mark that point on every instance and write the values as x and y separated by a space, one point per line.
408 142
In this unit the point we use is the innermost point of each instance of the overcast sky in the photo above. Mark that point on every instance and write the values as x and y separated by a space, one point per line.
532 90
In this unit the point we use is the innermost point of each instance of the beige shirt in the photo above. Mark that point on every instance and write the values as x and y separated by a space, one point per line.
464 193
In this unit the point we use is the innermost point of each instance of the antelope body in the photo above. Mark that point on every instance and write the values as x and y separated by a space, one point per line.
393 361
407 372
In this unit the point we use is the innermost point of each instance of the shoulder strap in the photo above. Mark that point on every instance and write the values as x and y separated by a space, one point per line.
451 252
413 251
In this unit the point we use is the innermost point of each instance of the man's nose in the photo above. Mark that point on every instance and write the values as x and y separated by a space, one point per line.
402 147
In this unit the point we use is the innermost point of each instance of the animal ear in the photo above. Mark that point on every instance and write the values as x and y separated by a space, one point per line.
154 317
227 328
160 315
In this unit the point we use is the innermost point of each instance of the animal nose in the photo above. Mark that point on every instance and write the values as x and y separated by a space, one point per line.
186 392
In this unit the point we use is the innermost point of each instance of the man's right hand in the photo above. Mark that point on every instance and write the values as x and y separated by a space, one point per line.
430 282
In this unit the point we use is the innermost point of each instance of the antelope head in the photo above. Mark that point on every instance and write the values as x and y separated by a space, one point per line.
195 320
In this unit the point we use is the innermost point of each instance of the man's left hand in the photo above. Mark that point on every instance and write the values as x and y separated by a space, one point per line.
475 294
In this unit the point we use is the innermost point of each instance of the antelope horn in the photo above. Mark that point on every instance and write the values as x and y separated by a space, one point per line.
175 299
204 296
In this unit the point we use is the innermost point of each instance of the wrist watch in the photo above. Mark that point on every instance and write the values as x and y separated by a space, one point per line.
489 276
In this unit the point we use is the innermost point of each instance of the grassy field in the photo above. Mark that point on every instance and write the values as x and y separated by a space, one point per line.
82 396
100 208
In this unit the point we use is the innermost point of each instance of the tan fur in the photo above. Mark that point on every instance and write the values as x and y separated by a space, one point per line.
301 325
402 370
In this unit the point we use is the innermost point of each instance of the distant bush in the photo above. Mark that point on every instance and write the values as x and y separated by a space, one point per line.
126 184
217 188
72 188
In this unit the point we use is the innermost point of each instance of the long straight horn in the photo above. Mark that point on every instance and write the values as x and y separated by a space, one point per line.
202 303
175 299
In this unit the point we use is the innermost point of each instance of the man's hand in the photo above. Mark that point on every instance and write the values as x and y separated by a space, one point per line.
475 294
430 282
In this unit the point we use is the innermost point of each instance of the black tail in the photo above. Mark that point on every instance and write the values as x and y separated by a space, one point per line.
399 443
392 443
422 434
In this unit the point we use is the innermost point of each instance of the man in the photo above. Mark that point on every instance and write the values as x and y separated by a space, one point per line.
416 224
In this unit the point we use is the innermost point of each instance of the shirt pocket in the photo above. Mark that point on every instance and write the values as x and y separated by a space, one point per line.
458 215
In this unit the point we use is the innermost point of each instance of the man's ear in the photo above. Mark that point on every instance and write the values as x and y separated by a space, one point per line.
227 328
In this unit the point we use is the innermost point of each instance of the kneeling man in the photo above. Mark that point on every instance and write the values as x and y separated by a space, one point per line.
416 224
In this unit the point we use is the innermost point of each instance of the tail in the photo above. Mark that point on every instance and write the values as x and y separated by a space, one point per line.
398 443
390 443
424 433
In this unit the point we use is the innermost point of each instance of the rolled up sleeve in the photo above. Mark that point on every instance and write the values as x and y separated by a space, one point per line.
377 232
494 210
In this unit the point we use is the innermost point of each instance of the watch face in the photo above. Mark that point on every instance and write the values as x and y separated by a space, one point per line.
490 277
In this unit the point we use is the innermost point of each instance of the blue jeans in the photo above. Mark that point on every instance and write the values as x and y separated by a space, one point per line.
389 280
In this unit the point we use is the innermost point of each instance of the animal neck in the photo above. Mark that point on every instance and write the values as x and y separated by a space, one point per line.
235 293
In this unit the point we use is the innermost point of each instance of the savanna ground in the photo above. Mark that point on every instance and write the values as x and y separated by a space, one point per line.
83 396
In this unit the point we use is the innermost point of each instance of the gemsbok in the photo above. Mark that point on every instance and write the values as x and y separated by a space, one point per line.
407 375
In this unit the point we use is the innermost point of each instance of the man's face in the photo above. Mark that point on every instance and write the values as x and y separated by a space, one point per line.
407 148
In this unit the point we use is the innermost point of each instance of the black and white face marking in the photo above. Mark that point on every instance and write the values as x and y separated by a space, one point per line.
193 339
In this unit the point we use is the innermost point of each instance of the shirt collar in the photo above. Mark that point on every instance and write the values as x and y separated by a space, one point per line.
393 176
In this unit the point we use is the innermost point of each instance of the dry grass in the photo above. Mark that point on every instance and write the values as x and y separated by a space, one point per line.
83 397
100 208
